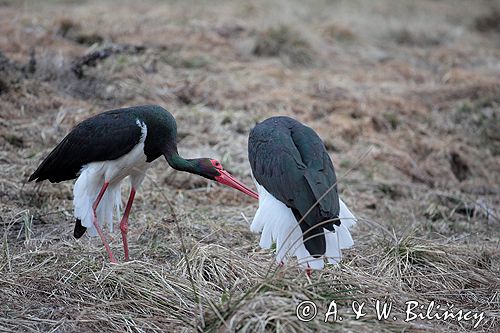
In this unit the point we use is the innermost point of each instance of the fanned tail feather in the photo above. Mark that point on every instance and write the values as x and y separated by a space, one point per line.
346 217
277 224
85 192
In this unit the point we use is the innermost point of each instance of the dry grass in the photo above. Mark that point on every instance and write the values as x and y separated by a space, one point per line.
285 43
412 85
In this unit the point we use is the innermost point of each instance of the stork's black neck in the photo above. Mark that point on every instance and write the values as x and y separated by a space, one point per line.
179 163
199 166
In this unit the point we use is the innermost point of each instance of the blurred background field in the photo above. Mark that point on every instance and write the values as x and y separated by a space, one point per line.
405 94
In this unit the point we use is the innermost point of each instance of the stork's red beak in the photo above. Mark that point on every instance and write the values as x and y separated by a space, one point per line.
227 179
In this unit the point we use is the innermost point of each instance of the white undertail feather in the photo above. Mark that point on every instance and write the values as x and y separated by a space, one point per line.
85 192
278 225
92 178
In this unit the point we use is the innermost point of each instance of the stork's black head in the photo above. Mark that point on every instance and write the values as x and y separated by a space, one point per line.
207 167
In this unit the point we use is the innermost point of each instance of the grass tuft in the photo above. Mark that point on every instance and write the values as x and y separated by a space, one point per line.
285 43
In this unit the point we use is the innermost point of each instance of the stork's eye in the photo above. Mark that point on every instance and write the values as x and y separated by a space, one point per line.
216 164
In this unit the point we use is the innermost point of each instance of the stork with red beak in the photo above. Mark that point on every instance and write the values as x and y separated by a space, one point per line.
299 206
102 150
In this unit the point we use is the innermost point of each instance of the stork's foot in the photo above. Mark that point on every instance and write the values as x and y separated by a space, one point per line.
112 258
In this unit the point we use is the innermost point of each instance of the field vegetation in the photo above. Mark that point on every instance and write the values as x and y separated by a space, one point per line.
405 94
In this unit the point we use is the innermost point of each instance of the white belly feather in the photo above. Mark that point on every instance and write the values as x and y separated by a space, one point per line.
278 225
94 175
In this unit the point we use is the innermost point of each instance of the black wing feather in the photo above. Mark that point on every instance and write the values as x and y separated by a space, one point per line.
291 162
106 136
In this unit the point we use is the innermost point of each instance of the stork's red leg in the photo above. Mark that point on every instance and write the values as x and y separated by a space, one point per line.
308 270
124 222
96 225
281 271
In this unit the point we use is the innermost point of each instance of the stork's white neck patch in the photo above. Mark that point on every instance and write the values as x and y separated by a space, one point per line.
144 129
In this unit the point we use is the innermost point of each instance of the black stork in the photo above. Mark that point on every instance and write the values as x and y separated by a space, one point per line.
102 150
299 206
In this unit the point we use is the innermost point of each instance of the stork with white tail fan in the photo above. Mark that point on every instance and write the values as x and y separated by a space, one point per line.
299 206
103 150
